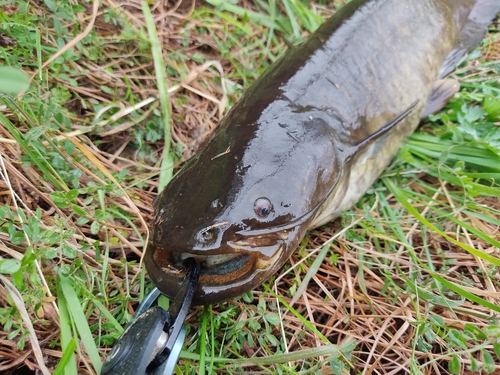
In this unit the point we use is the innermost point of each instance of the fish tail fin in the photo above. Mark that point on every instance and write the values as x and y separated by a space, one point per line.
472 23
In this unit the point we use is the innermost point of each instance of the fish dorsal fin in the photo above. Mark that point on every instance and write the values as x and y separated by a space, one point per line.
384 129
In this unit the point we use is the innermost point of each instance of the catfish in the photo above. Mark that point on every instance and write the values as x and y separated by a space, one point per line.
307 140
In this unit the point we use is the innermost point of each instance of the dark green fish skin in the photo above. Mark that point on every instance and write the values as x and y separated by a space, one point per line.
308 139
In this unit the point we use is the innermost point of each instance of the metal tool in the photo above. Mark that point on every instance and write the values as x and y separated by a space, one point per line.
153 340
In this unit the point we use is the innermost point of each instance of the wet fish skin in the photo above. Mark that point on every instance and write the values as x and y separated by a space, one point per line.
307 140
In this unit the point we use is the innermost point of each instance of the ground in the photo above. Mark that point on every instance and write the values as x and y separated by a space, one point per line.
405 282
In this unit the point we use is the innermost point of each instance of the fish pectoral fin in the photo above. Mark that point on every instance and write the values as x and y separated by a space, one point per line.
442 91
386 128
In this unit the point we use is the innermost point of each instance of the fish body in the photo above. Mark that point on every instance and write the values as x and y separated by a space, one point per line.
307 140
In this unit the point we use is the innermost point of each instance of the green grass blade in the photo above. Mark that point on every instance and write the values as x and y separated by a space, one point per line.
247 30
307 323
332 351
291 17
482 217
472 297
80 321
167 164
44 167
446 150
108 315
212 340
431 297
398 193
311 272
13 80
478 233
203 345
67 357
253 17
69 367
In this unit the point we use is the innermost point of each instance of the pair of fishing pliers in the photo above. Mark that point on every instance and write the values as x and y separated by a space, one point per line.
152 342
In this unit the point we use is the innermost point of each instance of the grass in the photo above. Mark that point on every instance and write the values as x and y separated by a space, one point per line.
407 281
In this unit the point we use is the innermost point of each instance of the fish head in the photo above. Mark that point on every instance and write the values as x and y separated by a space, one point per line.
240 207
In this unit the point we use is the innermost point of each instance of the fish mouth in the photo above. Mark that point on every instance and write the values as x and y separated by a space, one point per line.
227 266
232 270
214 264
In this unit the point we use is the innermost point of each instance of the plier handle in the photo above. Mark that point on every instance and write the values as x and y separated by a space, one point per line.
152 341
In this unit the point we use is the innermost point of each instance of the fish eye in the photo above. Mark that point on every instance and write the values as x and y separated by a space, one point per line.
262 207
